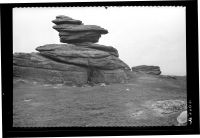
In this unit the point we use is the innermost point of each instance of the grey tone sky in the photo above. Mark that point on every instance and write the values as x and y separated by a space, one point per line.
142 35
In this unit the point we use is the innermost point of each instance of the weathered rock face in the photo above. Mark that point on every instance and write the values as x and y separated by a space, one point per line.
78 62
36 67
154 70
73 31
82 56
109 76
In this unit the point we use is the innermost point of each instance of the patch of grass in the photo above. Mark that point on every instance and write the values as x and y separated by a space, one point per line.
94 106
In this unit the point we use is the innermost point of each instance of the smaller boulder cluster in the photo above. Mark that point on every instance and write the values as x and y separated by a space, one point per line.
154 70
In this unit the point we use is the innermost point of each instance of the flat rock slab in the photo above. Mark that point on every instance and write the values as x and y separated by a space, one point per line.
72 51
62 19
80 28
84 56
78 47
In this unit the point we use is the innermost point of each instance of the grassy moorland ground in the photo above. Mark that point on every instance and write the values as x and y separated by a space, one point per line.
135 103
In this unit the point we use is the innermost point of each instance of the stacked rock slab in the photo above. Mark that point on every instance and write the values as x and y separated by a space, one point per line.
78 61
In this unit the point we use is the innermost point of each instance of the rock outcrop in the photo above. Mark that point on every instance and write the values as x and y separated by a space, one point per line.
154 70
73 31
79 61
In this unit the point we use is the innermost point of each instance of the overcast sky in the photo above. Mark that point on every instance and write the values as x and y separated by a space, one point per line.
142 35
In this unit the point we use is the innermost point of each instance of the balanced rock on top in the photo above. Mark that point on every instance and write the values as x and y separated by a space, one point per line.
73 31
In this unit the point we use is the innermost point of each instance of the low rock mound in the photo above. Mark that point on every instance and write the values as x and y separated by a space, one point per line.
154 70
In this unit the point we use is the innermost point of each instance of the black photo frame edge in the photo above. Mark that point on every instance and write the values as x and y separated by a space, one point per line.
192 75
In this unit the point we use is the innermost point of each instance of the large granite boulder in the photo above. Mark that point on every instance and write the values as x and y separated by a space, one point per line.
154 70
82 56
34 66
73 31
